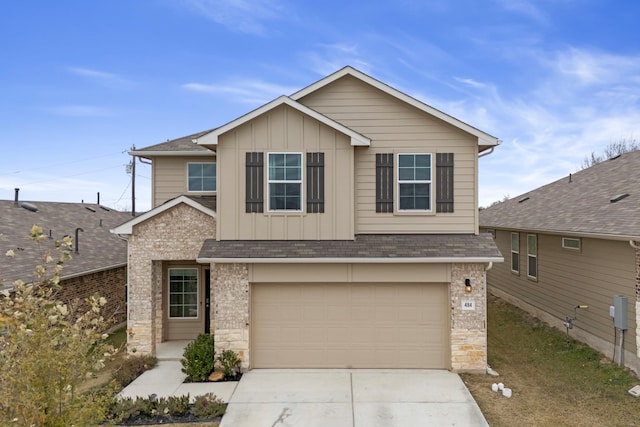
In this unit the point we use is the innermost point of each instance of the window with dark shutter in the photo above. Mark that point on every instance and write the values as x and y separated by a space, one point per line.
315 182
444 182
384 182
255 182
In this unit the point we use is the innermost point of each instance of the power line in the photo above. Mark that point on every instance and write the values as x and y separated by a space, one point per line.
49 166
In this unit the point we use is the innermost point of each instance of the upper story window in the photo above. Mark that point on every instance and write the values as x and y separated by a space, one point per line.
201 177
414 182
571 243
285 181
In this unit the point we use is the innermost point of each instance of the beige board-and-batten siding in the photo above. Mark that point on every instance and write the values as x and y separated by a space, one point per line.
285 129
396 127
243 291
567 278
170 177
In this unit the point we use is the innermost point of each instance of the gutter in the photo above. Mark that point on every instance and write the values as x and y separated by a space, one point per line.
404 260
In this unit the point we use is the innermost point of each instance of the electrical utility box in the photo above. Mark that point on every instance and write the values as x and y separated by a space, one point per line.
620 311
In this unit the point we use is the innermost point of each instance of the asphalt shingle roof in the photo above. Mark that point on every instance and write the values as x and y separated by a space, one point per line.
98 248
184 143
580 204
364 246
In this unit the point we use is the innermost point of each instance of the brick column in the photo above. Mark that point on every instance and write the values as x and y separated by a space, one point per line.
230 283
468 327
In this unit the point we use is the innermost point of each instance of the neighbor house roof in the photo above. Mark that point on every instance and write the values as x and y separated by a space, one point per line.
98 248
364 248
211 138
603 200
205 204
185 145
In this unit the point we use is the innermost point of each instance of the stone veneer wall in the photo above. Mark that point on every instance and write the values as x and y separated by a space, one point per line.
230 289
173 235
468 327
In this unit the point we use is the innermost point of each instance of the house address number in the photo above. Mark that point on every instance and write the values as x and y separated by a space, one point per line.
468 305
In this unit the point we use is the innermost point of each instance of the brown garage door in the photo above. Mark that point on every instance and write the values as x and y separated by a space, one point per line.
346 325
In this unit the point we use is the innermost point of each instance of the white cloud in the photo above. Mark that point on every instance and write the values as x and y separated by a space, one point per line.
101 77
246 16
526 8
246 91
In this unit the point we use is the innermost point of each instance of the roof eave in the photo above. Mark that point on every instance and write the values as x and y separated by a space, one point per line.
150 154
604 236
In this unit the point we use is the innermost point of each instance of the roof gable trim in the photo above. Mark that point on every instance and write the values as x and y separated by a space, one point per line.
484 139
127 227
211 138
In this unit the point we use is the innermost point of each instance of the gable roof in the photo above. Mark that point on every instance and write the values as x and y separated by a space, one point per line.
579 204
183 146
485 140
98 248
211 138
378 248
205 204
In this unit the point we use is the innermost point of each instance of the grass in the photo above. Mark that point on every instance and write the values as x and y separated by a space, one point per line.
554 382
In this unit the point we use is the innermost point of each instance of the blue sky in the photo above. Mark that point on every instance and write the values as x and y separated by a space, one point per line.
82 81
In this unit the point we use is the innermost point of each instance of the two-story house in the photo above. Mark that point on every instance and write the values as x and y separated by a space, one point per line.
336 227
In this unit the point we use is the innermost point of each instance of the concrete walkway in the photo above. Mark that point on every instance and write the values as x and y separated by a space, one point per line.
351 398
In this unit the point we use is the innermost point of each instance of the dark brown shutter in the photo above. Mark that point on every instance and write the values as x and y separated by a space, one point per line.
384 182
315 182
255 182
444 182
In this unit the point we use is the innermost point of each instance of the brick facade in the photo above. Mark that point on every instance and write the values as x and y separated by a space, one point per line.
468 327
110 283
176 234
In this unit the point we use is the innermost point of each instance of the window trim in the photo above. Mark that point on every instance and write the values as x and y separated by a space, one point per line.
215 176
399 182
198 296
517 252
571 248
301 182
532 255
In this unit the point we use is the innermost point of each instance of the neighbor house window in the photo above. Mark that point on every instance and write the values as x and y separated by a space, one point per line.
201 177
515 252
414 182
571 243
285 181
183 293
532 256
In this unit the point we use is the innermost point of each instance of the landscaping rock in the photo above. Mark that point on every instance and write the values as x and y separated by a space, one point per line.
216 376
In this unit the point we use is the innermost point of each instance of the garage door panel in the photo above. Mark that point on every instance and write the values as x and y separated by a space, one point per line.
349 325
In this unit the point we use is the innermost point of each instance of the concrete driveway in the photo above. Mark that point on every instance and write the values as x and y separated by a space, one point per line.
351 398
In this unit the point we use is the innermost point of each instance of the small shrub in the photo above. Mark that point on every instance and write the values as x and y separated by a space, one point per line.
208 406
199 358
132 367
229 362
175 405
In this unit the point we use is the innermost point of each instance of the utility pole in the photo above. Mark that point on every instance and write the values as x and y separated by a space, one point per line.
133 182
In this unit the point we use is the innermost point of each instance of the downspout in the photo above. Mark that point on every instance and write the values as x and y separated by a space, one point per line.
633 244
489 266
486 153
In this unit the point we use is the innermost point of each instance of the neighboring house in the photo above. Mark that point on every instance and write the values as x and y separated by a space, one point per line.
99 259
336 227
575 242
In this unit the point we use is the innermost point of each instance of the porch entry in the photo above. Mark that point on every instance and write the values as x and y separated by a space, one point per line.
187 301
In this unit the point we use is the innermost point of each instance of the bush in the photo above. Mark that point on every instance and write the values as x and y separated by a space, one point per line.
208 406
229 362
132 368
175 405
199 358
